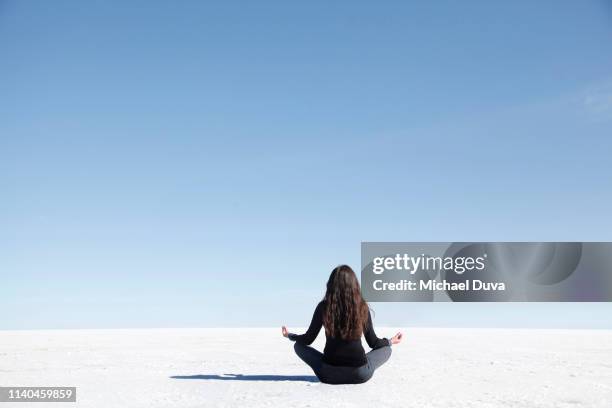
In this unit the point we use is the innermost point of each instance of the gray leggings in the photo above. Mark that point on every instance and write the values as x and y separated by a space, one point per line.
342 375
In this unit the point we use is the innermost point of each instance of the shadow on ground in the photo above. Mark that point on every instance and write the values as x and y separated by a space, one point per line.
247 377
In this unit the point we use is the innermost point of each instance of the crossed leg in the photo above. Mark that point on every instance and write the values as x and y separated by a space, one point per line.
310 356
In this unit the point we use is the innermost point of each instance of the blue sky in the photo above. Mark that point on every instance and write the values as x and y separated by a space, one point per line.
198 164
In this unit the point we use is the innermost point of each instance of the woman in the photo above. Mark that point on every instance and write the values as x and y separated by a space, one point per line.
346 317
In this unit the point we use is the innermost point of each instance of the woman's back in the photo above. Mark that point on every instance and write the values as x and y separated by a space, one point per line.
340 352
346 317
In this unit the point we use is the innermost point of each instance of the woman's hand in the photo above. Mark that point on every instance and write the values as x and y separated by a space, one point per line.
397 338
285 332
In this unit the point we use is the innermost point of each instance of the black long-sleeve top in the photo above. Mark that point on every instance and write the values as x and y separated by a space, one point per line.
340 352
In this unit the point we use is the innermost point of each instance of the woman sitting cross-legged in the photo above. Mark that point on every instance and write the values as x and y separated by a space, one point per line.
346 317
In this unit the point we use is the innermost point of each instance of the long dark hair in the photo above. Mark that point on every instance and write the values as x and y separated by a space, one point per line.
346 313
